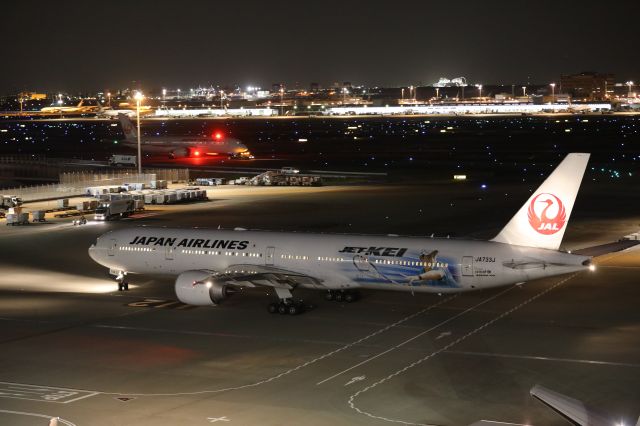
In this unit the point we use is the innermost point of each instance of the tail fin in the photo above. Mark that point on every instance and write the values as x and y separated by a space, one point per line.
127 127
542 220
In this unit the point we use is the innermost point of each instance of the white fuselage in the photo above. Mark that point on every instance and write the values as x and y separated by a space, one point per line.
189 147
334 261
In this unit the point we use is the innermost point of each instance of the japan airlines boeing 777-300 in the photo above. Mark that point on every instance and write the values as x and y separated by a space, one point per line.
211 264
184 146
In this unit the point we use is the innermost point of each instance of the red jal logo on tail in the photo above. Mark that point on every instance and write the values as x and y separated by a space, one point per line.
541 222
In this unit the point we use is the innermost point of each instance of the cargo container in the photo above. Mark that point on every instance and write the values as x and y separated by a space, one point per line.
38 216
117 160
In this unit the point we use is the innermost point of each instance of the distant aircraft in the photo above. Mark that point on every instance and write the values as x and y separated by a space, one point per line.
185 146
576 412
212 264
82 107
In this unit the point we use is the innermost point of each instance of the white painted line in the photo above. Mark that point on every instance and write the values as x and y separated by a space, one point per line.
355 379
546 358
43 393
44 416
422 333
290 370
352 398
89 395
443 335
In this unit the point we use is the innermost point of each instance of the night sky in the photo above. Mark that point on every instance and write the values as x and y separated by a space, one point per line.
95 45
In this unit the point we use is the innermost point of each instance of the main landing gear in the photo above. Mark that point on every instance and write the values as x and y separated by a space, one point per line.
286 305
348 295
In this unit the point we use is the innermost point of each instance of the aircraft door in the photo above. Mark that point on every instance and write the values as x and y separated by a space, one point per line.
269 256
113 243
168 253
467 266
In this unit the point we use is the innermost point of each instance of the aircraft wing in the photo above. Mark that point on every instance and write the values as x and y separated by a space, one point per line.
245 275
571 409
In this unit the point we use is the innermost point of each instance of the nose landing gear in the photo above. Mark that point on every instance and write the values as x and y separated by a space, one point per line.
121 279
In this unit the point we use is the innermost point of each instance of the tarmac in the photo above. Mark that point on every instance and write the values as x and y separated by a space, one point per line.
74 347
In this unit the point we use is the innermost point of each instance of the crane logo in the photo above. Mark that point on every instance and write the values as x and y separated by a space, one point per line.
547 214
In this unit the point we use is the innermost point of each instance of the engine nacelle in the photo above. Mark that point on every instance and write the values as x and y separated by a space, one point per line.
200 288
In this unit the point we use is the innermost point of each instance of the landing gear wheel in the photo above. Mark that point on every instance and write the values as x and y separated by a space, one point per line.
329 295
293 309
339 296
349 297
282 309
125 286
120 286
272 308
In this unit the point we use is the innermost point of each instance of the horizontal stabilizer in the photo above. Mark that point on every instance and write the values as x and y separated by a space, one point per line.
571 409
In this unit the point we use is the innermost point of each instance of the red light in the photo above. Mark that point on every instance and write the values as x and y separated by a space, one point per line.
196 153
217 136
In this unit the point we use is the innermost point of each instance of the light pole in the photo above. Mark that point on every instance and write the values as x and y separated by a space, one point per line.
281 100
437 92
553 92
413 98
630 84
402 99
221 98
524 90
479 90
138 98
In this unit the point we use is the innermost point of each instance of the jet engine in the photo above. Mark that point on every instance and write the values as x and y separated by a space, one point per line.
200 288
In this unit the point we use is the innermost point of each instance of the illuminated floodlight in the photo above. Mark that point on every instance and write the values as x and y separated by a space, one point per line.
138 96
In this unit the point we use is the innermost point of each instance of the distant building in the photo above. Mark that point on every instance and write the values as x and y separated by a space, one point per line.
587 85
314 87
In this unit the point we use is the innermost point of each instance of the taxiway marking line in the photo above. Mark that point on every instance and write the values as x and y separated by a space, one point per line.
44 416
290 370
352 398
82 397
546 358
422 333
45 393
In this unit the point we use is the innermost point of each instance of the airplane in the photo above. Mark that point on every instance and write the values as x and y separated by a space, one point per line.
573 410
80 108
210 265
185 146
